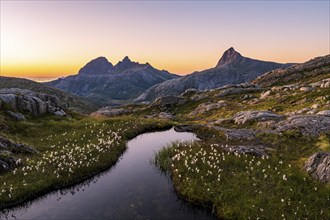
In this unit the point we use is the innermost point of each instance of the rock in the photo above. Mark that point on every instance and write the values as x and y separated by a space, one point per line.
205 107
8 162
306 89
8 145
318 166
265 94
168 101
324 112
16 115
250 116
266 124
166 115
198 97
60 113
256 150
237 134
222 121
312 125
30 102
238 89
315 106
189 92
303 110
110 112
183 128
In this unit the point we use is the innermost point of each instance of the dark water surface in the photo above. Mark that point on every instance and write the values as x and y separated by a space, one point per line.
133 189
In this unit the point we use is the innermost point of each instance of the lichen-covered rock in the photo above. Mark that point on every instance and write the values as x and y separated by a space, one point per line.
312 125
250 116
318 166
166 115
111 112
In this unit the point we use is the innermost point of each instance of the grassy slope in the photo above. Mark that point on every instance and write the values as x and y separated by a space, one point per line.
247 187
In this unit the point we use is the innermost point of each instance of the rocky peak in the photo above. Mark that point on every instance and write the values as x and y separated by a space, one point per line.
229 56
97 66
126 63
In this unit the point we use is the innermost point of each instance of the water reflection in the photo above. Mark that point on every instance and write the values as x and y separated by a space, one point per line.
132 189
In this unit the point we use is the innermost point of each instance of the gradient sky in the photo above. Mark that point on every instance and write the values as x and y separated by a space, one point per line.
57 38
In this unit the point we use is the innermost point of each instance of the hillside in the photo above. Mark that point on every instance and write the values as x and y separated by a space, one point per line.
232 68
106 84
310 70
73 102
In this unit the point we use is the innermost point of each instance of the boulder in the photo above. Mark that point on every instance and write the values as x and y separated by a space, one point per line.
189 92
265 94
312 125
306 89
205 107
16 116
166 115
60 113
318 166
250 116
111 112
183 128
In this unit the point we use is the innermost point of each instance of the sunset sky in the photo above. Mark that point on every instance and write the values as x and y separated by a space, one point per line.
57 38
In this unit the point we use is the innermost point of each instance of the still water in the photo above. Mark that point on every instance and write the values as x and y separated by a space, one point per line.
132 189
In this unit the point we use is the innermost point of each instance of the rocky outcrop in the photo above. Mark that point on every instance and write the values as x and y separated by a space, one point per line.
318 166
324 112
309 69
232 68
312 125
111 112
27 101
8 145
238 89
7 150
251 116
205 107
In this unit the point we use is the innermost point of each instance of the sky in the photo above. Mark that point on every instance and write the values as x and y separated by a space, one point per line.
57 38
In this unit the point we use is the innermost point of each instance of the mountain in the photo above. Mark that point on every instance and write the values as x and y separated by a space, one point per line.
232 68
317 67
106 84
73 102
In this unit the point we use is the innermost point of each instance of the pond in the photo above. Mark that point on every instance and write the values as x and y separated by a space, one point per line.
132 189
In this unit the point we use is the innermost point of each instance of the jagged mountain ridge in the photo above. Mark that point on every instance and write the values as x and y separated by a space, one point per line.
109 84
232 68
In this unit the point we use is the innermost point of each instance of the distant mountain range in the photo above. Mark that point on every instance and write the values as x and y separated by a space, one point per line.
232 68
106 84
129 81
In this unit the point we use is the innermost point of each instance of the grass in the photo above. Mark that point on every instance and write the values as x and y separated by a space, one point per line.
243 186
70 150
